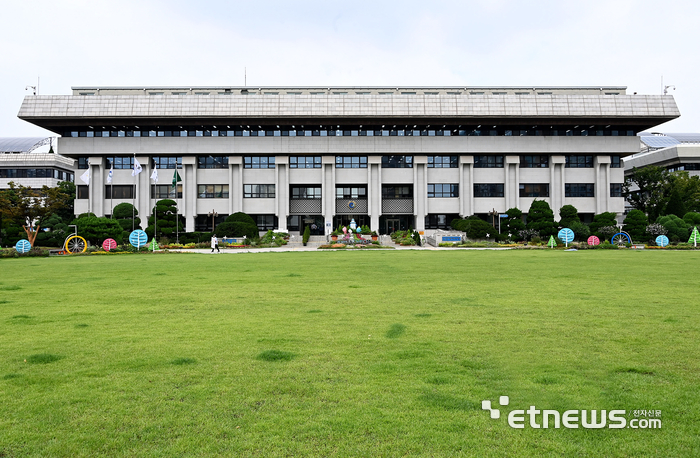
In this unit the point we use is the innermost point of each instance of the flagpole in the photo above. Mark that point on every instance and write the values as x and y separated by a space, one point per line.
133 207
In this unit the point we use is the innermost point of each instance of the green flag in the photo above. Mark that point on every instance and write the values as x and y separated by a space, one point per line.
176 179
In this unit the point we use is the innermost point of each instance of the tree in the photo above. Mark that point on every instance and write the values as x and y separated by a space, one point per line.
127 216
95 230
514 223
675 204
678 230
541 218
240 217
602 220
581 231
475 227
569 216
689 189
692 218
28 207
652 195
635 224
165 219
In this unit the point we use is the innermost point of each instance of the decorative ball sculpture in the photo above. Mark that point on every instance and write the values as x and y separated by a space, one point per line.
662 241
593 240
138 238
109 244
23 246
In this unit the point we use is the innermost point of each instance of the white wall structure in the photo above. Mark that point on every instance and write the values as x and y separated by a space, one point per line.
22 163
387 157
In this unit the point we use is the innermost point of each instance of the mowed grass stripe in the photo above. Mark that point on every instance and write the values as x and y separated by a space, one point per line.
345 354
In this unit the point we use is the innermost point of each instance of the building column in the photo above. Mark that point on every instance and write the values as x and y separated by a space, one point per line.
374 190
420 191
282 191
95 197
466 184
511 164
189 191
557 178
602 183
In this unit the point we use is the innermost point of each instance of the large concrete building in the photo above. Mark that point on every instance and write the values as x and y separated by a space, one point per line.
25 161
389 157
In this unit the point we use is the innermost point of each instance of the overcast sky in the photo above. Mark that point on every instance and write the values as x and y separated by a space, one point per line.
360 43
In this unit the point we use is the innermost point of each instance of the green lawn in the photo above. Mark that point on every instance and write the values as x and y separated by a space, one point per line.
346 353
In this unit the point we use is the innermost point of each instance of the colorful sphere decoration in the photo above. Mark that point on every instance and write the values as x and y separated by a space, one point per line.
566 235
662 241
23 246
109 244
138 238
593 240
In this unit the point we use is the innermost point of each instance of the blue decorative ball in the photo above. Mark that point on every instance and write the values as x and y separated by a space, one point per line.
138 238
23 246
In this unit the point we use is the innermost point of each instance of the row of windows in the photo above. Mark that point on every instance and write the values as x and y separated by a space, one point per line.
36 173
682 167
435 190
354 132
308 162
331 92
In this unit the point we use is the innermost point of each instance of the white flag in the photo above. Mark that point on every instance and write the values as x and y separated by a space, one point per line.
111 172
86 177
154 175
137 168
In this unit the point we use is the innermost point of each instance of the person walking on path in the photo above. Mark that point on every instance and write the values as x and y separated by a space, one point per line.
215 244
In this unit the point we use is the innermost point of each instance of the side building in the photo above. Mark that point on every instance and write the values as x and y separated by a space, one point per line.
390 158
23 161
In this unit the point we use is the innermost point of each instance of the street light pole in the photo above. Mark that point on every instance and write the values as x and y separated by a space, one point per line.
213 215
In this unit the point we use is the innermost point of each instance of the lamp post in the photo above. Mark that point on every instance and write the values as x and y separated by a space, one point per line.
213 215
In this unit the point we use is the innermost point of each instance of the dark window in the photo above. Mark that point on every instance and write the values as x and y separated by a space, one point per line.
119 191
212 191
83 162
433 221
259 191
265 222
304 162
82 192
615 162
682 167
397 192
615 189
536 161
166 191
306 192
443 162
579 190
211 162
120 162
351 162
488 190
488 162
351 192
443 190
534 190
259 162
578 162
397 162
167 162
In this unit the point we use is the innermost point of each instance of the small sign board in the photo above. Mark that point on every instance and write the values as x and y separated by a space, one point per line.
452 239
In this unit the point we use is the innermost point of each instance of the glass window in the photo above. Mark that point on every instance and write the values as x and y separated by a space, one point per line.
212 191
443 162
397 162
304 162
259 162
488 190
397 192
579 190
211 162
534 161
351 192
167 162
306 192
616 190
120 162
166 191
491 161
433 221
83 162
351 162
615 162
443 190
534 190
119 191
259 191
82 192
579 161
265 222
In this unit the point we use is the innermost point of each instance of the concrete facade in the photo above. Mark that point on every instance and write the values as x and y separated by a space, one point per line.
597 126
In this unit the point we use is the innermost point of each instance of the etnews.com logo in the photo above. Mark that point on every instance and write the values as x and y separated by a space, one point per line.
572 419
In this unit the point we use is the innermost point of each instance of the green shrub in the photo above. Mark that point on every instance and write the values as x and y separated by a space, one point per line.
95 230
569 216
307 234
675 226
475 227
541 218
635 224
605 219
240 217
237 229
